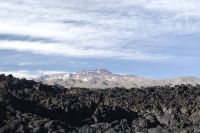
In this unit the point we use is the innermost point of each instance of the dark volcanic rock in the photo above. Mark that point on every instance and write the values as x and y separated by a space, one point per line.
3 88
30 107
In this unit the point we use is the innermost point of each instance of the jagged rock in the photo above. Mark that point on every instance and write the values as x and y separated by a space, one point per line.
3 88
27 106
152 121
21 129
39 123
15 124
49 125
38 130
86 129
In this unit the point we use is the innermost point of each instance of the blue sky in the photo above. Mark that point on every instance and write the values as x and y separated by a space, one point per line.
151 38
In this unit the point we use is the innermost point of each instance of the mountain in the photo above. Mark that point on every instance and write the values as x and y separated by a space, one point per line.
102 78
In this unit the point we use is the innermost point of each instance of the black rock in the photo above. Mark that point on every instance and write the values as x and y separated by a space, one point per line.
38 130
86 129
3 88
27 106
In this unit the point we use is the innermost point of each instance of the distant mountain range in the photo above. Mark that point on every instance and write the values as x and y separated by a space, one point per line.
102 78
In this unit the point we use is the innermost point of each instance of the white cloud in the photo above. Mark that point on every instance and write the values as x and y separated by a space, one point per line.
67 50
25 64
97 28
30 74
30 63
20 74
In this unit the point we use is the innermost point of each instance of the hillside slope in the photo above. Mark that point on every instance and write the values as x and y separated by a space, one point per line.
102 78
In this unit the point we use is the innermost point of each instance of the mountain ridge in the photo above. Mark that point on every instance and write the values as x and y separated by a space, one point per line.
102 78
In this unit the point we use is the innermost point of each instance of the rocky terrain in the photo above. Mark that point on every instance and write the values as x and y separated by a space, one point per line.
27 106
102 78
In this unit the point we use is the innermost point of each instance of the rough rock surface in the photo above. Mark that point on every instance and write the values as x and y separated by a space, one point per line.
27 106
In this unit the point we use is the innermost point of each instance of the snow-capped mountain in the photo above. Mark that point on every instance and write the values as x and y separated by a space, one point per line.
102 78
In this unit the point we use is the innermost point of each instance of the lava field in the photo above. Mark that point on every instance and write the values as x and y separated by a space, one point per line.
27 106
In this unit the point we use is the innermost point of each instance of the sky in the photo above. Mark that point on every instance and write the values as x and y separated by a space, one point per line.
149 38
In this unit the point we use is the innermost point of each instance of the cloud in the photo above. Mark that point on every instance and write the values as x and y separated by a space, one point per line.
116 29
13 37
26 64
45 63
80 52
30 74
20 73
